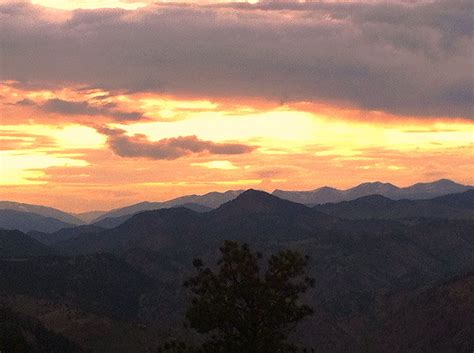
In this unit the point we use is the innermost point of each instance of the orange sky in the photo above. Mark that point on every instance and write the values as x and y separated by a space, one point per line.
81 148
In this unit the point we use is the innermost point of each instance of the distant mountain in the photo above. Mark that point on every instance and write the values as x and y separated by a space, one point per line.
195 207
252 215
208 201
414 192
380 207
112 222
88 217
64 234
41 210
26 222
15 244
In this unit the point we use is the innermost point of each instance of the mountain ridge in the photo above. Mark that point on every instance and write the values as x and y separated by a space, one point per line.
416 191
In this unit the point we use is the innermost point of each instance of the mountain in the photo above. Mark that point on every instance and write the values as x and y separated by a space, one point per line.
90 216
41 210
252 215
153 230
99 283
380 207
208 201
64 234
195 207
112 222
25 221
414 192
20 333
464 200
366 271
15 244
434 189
436 319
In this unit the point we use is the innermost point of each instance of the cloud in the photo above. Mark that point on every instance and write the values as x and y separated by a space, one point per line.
66 107
409 58
169 149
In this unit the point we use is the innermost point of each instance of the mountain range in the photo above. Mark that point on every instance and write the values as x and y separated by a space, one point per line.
453 206
414 192
391 275
45 219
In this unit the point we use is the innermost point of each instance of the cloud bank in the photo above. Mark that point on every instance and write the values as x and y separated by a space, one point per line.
408 58
169 148
64 107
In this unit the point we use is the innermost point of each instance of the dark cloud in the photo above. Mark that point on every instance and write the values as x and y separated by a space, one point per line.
25 102
169 148
65 107
412 58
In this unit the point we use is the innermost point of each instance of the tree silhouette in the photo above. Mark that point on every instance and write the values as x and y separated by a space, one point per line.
241 308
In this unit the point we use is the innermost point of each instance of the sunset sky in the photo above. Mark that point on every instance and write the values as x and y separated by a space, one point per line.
104 103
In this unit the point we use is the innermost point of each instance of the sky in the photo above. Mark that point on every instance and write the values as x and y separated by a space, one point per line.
104 103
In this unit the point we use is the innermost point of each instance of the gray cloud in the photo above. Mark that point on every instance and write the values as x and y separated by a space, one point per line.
64 107
412 58
169 148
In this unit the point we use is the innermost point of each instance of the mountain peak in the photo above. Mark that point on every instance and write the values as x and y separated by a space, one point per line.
444 182
259 201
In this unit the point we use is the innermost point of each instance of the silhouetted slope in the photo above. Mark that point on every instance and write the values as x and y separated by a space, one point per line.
64 234
438 319
15 244
464 200
207 201
101 283
20 333
380 207
42 211
25 222
155 230
255 215
112 222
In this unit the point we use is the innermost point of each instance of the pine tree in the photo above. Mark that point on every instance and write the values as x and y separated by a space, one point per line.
241 308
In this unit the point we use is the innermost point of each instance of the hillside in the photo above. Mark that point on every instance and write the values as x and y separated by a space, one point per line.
63 234
100 283
20 333
15 244
380 207
26 222
44 211
436 319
